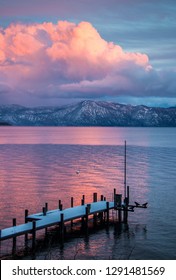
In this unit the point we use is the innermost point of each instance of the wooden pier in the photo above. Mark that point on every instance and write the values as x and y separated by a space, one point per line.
98 210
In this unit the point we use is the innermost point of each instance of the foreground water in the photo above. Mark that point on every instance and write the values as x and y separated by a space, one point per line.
39 165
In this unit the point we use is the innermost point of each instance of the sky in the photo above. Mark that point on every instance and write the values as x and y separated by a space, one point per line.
55 52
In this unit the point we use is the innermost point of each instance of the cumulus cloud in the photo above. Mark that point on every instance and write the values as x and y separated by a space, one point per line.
68 59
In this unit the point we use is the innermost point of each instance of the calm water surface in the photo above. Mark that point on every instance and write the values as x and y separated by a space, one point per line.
39 164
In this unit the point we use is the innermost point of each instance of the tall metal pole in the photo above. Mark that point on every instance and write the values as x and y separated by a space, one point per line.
125 171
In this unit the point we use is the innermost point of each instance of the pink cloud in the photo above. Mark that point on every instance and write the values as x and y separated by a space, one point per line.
67 58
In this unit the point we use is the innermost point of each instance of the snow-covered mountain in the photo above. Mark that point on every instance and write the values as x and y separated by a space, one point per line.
88 113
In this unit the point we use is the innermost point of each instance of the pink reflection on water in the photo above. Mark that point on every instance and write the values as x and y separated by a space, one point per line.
71 135
35 174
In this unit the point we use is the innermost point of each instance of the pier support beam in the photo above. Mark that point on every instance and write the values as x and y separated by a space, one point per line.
46 210
126 202
83 200
60 205
72 202
61 226
95 215
82 219
128 194
118 205
94 197
14 238
87 217
114 194
101 213
107 213
25 220
26 214
72 207
125 212
33 235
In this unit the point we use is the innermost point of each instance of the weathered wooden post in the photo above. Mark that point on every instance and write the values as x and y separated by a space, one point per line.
128 194
82 219
101 214
94 197
104 213
125 217
14 238
126 202
107 212
44 211
26 215
118 205
60 205
62 227
83 200
95 215
87 216
46 206
26 220
71 202
33 235
114 194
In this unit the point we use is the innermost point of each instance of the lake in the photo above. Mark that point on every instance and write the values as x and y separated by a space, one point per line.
39 164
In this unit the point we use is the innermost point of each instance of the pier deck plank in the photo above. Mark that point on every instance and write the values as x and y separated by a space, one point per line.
53 217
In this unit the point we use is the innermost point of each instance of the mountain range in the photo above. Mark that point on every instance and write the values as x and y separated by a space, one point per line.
88 113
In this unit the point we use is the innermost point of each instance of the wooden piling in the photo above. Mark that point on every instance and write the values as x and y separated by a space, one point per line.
125 215
44 211
83 199
107 213
71 202
114 194
14 238
95 215
125 212
118 205
87 216
60 205
62 227
82 219
46 206
101 214
26 213
128 194
94 197
33 235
